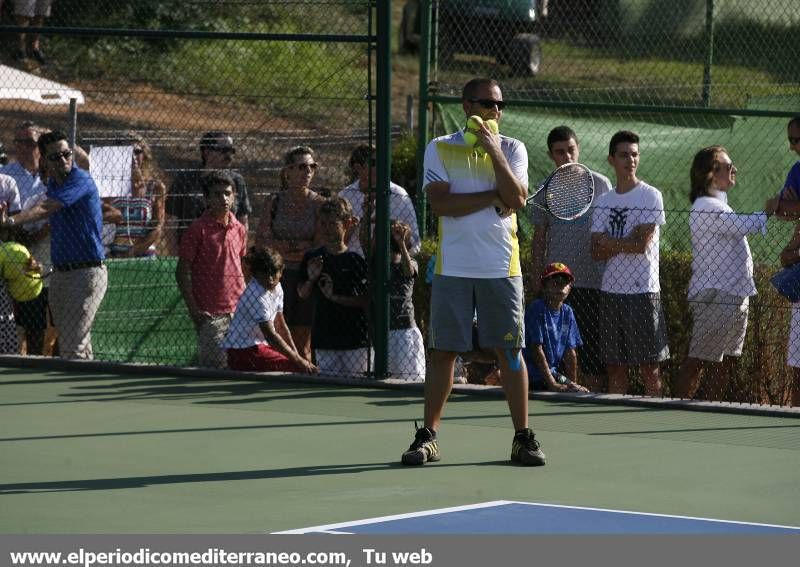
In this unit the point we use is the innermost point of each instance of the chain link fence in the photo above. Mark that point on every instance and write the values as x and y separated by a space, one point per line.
683 76
211 130
165 99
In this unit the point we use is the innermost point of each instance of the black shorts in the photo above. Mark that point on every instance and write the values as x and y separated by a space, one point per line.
296 310
33 315
585 304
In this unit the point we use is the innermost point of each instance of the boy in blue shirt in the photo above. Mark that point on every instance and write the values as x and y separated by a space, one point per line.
551 334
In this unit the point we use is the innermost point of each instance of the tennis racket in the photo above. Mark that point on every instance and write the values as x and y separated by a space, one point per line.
568 192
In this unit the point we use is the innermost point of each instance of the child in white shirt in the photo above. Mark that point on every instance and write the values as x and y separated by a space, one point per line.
258 338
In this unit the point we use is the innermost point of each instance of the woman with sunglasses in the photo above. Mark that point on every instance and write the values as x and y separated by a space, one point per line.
722 276
139 218
289 225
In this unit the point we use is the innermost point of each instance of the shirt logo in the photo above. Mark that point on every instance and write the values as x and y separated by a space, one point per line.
616 222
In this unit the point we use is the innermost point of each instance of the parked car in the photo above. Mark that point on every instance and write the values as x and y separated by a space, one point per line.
504 29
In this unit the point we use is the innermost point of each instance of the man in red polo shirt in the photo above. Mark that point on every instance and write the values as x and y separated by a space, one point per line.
209 271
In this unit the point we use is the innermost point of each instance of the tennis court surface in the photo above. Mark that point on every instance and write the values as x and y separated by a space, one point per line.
98 452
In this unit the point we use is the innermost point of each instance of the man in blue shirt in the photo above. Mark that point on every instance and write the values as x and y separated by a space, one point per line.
74 210
551 334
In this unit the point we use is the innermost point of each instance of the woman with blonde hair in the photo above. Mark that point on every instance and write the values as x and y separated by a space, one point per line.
288 225
139 218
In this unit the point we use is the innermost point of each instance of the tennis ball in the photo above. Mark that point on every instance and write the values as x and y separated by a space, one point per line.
493 125
474 122
470 138
22 285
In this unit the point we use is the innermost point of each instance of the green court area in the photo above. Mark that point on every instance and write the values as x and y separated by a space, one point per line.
96 452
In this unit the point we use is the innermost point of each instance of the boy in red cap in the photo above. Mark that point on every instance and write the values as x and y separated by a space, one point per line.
551 334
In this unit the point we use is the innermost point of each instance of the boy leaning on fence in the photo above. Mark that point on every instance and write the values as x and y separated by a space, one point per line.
625 234
209 271
336 279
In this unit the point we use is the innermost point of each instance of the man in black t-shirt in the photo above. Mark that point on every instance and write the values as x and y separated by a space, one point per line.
185 200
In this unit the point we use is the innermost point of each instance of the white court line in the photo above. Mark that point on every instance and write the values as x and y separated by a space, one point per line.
335 528
398 517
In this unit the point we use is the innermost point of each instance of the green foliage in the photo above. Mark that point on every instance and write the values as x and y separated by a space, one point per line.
404 162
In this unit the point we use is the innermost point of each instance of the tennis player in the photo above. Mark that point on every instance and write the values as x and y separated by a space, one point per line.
475 195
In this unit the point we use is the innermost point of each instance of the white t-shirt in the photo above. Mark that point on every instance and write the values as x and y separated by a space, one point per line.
721 256
480 244
617 214
401 208
9 194
256 305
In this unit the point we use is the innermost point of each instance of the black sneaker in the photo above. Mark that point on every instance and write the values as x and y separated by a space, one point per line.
423 449
525 449
39 56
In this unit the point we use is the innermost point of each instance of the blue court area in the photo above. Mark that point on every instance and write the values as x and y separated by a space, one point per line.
502 517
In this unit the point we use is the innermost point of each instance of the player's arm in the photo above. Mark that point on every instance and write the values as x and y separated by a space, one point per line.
511 191
443 203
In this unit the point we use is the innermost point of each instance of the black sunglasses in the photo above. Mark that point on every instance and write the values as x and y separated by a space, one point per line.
138 151
793 140
66 154
311 166
488 103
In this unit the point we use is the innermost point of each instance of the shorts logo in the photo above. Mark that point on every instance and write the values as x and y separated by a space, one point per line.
508 337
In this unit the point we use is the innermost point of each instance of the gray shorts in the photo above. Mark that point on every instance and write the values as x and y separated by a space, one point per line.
498 304
632 328
31 8
720 325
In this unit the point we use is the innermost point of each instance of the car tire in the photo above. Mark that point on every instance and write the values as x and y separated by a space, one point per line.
524 55
409 28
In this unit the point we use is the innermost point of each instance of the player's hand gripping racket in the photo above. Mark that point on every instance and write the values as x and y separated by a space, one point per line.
568 192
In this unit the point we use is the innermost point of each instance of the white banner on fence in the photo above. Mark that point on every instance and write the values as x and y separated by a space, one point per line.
111 169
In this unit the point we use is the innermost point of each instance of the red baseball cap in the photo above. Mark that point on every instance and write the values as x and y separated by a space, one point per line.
555 269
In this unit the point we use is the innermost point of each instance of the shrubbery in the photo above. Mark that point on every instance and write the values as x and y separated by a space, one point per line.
761 375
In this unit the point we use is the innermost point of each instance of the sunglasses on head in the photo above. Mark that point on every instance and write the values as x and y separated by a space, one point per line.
488 103
66 154
794 141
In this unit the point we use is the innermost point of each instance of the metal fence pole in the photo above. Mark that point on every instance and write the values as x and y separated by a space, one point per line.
422 122
709 53
384 145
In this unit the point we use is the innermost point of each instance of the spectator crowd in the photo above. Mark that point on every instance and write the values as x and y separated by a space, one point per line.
288 287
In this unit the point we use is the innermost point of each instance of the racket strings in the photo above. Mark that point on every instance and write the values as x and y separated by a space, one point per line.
569 192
